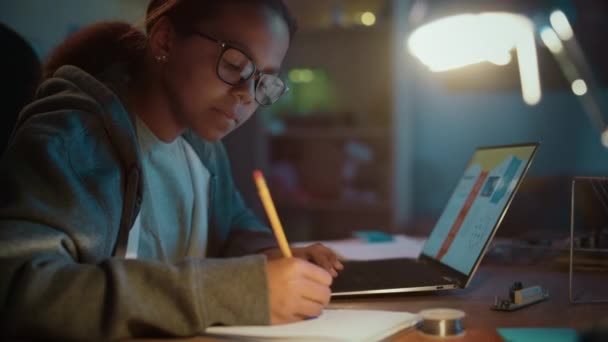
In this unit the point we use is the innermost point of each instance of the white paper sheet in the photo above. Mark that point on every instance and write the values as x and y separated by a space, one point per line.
401 246
332 325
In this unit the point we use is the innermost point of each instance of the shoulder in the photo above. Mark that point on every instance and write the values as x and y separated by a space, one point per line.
75 111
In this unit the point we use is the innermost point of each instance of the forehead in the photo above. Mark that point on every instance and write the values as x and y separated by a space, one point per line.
259 32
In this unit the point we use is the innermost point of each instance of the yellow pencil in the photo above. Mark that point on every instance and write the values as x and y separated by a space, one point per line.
273 217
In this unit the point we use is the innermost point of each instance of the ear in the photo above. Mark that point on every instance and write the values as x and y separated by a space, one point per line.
162 37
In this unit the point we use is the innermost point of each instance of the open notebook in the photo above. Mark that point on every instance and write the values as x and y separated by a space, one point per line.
332 325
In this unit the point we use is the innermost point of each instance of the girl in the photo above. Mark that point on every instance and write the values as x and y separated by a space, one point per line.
118 214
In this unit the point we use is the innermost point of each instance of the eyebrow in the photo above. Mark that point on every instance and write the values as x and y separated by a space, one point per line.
243 48
272 71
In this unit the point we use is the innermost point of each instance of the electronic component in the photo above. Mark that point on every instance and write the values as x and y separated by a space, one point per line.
520 297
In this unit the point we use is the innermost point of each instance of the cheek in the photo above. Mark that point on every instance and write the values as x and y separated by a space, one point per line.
248 113
193 80
187 81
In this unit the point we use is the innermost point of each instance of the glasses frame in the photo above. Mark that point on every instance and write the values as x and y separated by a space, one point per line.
256 74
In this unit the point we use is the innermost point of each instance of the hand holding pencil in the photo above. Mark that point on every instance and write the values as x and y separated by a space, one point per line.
297 288
316 253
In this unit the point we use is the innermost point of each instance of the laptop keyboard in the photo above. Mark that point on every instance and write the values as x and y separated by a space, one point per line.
385 274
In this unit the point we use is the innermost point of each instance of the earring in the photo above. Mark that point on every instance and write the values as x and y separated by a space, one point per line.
161 59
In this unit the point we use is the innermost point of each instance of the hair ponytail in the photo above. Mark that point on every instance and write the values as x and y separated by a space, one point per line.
98 46
157 9
184 14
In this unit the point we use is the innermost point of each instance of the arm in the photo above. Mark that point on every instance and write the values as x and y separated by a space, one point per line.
248 235
296 288
244 232
60 208
52 296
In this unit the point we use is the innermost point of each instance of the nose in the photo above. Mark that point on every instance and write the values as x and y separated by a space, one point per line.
245 91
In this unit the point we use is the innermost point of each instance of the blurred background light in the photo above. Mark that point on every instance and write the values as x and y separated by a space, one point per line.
561 25
301 76
551 40
579 87
368 18
528 68
465 39
605 138
501 60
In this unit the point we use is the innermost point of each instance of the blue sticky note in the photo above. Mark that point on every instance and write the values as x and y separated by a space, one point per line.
373 236
538 334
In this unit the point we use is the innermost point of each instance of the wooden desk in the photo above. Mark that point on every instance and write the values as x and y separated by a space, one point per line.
493 280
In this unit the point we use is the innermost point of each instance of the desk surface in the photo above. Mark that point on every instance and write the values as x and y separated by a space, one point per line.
490 281
493 281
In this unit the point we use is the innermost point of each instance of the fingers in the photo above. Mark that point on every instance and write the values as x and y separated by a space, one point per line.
324 257
324 261
303 308
306 309
315 273
297 289
313 298
309 309
333 259
315 292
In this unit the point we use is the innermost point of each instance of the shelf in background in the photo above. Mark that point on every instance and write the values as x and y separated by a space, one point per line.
378 28
330 205
316 133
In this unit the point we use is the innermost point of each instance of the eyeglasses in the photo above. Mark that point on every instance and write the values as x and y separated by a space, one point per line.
235 67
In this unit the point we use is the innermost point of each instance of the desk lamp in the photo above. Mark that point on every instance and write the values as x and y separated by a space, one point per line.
460 40
465 39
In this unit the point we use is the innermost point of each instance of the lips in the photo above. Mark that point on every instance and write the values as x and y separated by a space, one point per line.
229 114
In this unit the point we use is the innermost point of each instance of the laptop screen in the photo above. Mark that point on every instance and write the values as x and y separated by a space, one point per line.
477 205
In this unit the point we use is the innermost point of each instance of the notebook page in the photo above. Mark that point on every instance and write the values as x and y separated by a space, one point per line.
332 325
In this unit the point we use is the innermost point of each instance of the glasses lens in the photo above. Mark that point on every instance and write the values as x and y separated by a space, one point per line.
269 89
234 67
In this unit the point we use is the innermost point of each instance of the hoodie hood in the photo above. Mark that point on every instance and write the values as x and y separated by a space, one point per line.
72 88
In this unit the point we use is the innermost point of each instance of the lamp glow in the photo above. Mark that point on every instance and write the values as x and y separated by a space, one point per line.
605 138
466 39
501 60
551 40
528 69
561 25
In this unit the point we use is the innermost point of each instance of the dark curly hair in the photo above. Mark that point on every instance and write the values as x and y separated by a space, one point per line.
96 47
184 14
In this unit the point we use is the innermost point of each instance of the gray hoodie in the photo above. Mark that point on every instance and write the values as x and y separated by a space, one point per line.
70 189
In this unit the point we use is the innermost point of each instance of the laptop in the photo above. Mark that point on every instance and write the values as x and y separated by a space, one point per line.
461 236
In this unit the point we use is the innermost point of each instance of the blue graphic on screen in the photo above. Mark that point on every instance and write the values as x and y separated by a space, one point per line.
476 205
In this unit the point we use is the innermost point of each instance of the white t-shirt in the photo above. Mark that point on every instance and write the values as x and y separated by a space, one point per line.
173 220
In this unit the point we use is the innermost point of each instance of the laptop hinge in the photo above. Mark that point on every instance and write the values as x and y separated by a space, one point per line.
453 280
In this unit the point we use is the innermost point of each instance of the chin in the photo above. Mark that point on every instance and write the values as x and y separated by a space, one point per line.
212 135
213 129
